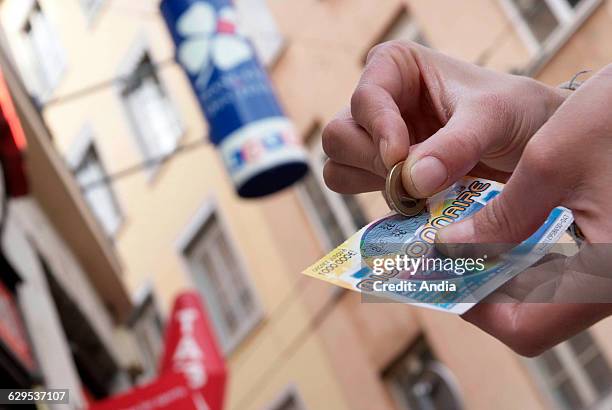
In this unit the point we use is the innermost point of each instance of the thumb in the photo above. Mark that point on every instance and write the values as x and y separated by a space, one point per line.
452 152
530 195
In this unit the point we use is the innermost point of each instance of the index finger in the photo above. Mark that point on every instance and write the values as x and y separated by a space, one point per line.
389 83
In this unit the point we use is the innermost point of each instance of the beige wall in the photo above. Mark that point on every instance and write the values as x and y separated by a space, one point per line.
338 364
586 50
466 30
159 207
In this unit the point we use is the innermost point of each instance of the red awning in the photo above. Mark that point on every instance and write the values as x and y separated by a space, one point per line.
192 372
169 392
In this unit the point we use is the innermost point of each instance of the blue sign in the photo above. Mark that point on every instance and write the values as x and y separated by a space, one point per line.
256 140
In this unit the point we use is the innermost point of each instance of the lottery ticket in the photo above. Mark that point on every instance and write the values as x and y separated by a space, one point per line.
395 258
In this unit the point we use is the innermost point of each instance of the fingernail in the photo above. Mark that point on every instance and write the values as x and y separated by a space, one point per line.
384 147
428 174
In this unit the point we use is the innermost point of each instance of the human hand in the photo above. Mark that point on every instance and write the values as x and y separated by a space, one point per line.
566 163
449 117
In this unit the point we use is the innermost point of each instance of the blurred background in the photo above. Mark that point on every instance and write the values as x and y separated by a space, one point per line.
114 202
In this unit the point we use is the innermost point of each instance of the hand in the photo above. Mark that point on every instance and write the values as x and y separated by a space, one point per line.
550 302
568 162
450 118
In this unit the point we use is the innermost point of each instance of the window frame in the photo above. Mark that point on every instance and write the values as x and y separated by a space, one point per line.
94 12
21 45
139 49
339 209
570 19
575 373
210 210
144 300
85 140
290 390
415 350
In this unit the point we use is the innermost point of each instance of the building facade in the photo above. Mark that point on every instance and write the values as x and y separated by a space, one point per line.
62 300
125 120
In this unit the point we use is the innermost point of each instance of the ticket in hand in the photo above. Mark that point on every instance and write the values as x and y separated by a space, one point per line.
395 258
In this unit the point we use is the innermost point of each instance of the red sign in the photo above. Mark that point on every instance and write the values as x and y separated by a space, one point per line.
169 392
12 144
192 369
191 349
12 331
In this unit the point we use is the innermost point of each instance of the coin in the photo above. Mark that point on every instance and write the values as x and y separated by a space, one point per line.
396 196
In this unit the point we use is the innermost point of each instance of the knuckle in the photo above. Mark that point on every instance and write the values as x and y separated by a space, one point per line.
553 166
541 161
394 46
388 48
369 116
374 51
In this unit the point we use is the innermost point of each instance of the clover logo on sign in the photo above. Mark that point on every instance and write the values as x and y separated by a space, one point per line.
211 40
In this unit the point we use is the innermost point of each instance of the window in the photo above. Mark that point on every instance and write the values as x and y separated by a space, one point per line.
538 16
577 374
537 21
91 7
90 175
221 279
148 330
289 400
258 23
334 216
43 60
405 27
290 403
419 382
155 121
